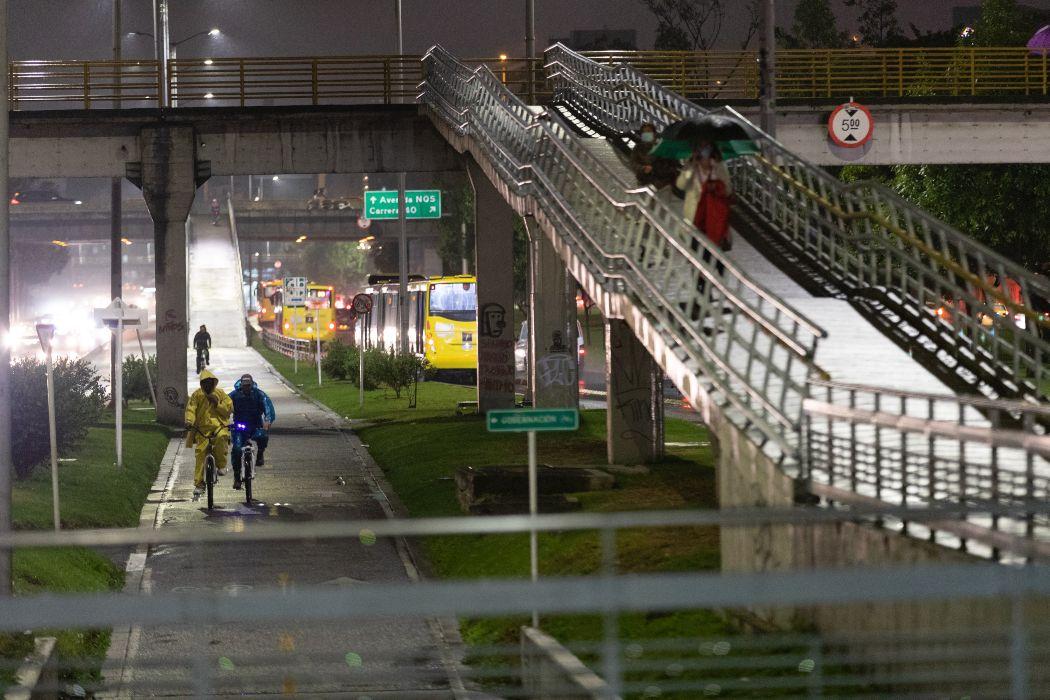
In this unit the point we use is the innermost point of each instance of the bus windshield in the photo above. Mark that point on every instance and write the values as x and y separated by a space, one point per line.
457 301
319 298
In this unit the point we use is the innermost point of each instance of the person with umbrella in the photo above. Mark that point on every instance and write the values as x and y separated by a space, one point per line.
651 170
707 188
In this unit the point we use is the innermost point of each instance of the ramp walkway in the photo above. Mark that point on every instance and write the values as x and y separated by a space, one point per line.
216 297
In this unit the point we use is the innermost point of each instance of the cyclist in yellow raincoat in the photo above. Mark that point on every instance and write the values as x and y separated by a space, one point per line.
208 410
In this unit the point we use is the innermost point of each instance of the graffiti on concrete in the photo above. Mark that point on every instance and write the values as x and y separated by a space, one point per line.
171 395
557 344
555 370
172 324
496 366
492 321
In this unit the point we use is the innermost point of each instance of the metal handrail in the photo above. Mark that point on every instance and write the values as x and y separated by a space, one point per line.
863 233
959 72
635 245
922 449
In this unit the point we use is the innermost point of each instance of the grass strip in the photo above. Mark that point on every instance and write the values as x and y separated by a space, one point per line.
93 493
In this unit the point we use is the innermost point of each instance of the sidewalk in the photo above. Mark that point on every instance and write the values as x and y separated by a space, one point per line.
400 657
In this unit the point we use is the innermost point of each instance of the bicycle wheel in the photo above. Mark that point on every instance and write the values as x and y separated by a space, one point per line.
209 479
247 474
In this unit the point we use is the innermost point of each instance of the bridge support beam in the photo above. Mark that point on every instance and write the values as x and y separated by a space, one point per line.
553 358
168 186
635 407
494 248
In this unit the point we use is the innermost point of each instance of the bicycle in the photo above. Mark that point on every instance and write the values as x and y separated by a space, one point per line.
201 363
211 470
248 457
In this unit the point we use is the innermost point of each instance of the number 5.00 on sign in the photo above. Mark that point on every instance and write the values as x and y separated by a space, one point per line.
850 125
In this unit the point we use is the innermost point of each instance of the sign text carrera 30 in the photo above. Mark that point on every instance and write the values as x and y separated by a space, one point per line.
419 204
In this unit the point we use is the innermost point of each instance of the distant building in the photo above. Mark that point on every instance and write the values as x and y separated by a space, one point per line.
601 40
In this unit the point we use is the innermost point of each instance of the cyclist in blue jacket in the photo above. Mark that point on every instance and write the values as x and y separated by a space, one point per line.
253 408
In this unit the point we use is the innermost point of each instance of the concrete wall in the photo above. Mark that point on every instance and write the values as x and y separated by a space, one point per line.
549 671
380 139
917 134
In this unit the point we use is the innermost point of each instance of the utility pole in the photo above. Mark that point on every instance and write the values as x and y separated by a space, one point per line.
161 46
400 73
116 253
402 265
767 67
530 48
6 467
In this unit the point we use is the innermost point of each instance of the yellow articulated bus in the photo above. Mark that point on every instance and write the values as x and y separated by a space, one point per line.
442 318
300 320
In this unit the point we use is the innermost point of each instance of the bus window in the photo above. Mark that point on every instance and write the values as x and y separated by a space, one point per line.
320 298
455 301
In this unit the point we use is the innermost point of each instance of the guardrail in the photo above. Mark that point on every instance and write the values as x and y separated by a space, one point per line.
839 73
867 444
915 634
938 280
755 349
295 348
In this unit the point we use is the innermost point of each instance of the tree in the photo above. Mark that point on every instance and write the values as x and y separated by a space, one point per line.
992 203
1001 24
814 27
670 38
343 264
453 246
878 21
698 22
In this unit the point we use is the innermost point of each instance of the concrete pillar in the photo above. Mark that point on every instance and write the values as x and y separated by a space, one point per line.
494 248
553 357
634 419
168 186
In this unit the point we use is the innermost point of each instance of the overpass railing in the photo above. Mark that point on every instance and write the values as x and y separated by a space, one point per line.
756 350
837 73
243 82
707 75
976 304
868 445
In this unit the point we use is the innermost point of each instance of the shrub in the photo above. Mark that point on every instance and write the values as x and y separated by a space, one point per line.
399 371
375 359
336 362
135 383
79 401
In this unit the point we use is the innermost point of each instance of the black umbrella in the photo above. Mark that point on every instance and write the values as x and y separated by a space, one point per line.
683 136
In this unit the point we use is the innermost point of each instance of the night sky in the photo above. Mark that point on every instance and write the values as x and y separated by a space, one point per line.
69 29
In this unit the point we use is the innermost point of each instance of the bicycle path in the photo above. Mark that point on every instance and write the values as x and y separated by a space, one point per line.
313 471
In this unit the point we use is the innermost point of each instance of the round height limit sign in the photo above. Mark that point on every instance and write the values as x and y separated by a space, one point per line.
851 125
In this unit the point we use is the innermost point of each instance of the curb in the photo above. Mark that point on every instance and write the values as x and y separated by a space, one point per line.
124 640
33 669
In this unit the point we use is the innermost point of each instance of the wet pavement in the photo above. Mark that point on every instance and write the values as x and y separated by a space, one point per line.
314 471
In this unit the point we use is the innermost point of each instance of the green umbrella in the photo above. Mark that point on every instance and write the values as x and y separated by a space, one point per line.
736 148
674 149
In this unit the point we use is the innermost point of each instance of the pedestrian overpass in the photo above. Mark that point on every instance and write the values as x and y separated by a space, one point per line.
818 359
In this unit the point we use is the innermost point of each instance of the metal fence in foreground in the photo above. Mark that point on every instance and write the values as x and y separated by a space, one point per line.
976 629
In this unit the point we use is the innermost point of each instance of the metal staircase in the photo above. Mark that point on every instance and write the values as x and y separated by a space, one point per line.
742 343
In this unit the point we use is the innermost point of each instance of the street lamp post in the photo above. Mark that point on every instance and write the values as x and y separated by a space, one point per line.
171 54
46 333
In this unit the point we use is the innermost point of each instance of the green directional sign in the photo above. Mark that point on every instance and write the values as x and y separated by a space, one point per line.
533 419
419 204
